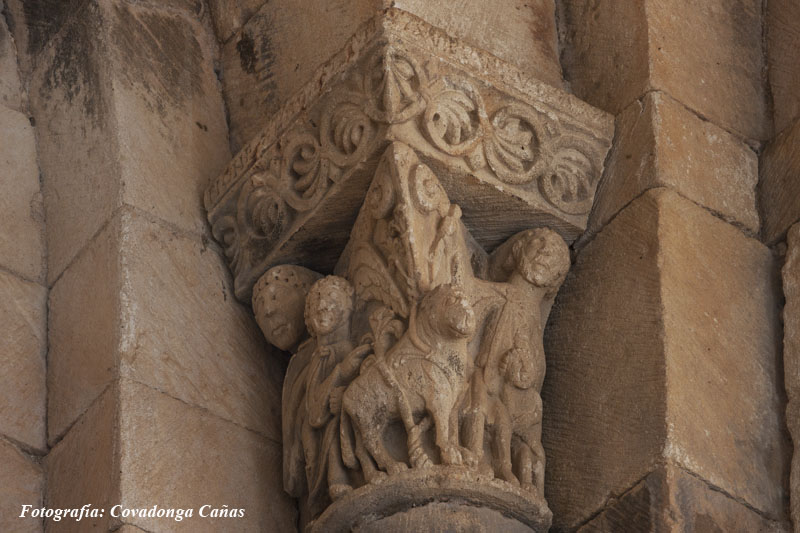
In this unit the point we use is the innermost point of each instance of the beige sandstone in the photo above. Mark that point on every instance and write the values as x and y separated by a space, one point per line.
22 361
183 332
707 56
659 143
417 368
22 229
83 468
275 54
103 71
11 94
779 187
265 65
21 483
121 309
692 355
671 499
179 456
791 357
229 16
783 39
84 334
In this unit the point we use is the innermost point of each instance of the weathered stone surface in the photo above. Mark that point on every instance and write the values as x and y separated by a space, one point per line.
22 361
84 467
185 334
450 517
34 22
11 94
601 440
783 39
230 15
791 358
69 97
21 483
670 499
521 32
170 121
21 231
180 456
425 355
659 143
779 187
707 56
83 330
693 358
720 297
278 52
118 92
511 151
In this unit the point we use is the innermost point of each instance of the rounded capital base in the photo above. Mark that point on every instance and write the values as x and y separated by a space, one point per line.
438 499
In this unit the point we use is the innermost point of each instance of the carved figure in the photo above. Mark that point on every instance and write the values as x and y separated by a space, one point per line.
511 365
333 364
278 303
423 375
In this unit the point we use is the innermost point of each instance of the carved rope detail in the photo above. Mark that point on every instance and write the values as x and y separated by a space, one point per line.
519 145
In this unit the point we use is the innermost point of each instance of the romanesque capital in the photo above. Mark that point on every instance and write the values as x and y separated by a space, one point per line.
511 151
401 230
416 369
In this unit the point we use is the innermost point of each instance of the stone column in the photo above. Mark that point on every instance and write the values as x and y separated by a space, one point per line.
360 222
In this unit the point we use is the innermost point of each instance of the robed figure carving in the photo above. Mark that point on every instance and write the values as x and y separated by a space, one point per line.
421 354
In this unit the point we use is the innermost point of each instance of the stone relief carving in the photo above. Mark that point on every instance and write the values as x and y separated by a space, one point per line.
527 149
420 371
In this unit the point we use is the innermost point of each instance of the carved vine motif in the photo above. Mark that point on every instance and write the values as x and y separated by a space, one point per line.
407 361
520 145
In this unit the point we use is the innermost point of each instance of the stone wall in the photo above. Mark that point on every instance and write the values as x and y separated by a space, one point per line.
23 301
132 375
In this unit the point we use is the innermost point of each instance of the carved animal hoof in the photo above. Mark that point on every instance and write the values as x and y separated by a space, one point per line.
485 469
451 455
396 468
529 487
469 458
339 490
508 475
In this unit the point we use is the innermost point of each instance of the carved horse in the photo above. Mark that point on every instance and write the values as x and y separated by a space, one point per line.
422 377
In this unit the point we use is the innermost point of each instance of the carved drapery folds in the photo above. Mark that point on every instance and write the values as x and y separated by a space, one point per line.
418 365
417 357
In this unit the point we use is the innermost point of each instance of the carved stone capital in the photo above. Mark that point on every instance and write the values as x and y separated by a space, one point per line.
512 152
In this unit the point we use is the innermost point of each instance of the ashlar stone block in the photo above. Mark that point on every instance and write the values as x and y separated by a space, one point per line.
707 56
22 228
154 305
660 143
779 187
83 468
11 94
22 361
499 141
679 311
84 323
118 92
183 332
22 483
180 456
671 499
791 357
783 38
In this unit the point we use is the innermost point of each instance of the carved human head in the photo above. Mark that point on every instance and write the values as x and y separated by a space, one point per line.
542 257
278 302
448 312
329 305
